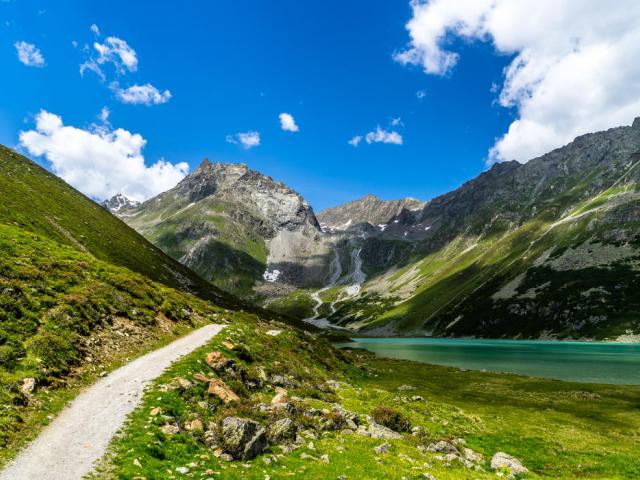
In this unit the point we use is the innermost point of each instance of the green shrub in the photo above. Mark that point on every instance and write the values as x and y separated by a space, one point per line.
56 352
391 418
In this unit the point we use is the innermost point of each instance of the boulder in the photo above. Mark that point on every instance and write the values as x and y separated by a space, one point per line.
283 429
182 383
376 430
194 425
242 438
502 460
222 391
281 397
200 377
443 447
28 384
405 388
218 361
471 455
170 429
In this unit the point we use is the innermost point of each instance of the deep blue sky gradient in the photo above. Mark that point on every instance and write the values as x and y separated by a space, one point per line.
234 65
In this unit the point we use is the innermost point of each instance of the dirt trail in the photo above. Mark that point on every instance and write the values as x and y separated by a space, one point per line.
69 446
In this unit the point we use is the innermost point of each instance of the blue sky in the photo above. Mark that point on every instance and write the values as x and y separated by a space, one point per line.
233 66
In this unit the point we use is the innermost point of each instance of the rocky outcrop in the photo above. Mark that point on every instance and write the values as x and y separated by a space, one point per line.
242 438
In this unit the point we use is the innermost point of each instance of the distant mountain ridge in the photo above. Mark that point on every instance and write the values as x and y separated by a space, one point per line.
369 209
546 248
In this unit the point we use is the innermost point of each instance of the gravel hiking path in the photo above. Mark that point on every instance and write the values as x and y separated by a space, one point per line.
68 447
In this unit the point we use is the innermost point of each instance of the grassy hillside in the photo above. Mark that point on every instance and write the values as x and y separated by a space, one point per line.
40 202
558 430
67 317
576 276
216 238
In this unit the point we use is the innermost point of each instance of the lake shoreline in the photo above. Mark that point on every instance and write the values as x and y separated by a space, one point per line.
567 360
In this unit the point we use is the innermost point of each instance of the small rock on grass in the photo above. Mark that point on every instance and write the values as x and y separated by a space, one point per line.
502 460
170 429
443 447
384 448
281 397
405 388
28 384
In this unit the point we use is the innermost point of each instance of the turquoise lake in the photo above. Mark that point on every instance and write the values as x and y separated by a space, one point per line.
593 362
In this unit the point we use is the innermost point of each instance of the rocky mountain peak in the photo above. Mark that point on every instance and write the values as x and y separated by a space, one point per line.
120 203
636 123
368 209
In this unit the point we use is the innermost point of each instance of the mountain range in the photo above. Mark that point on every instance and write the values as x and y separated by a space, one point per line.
549 248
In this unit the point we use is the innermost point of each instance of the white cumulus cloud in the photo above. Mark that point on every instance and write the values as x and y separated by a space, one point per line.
380 135
29 54
355 141
100 162
246 139
574 68
288 123
113 51
145 94
117 51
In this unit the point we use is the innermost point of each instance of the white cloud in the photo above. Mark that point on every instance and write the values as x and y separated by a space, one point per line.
29 54
100 162
246 139
288 123
379 135
94 28
142 95
574 68
115 51
104 114
355 141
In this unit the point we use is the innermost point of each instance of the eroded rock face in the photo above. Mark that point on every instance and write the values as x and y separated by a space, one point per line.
242 438
502 460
